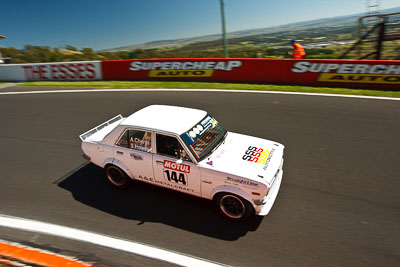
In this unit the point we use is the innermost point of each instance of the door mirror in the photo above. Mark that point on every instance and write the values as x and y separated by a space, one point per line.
183 155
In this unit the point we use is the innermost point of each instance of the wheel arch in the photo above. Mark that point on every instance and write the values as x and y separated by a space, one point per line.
233 190
119 164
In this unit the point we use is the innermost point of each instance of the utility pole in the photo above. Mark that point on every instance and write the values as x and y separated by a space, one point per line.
372 7
224 39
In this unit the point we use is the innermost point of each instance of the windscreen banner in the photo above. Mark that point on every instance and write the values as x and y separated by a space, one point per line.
379 74
61 71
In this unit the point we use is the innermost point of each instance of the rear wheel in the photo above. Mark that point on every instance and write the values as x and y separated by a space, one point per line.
117 177
233 206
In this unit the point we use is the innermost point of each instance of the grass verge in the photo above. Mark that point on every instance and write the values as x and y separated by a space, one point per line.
225 86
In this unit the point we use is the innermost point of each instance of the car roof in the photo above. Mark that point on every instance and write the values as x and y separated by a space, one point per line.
165 118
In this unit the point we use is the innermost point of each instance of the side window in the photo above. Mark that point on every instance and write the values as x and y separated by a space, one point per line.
139 140
170 146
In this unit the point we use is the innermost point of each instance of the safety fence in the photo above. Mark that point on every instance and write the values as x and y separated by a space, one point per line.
382 74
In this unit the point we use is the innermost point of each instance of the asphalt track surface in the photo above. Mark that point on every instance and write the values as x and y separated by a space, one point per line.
339 203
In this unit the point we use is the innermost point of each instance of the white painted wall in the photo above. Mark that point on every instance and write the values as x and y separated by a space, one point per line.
60 71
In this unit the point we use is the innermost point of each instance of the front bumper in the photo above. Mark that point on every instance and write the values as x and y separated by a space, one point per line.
269 200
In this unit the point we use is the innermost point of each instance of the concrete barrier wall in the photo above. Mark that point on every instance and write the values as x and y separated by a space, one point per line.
342 73
62 71
384 74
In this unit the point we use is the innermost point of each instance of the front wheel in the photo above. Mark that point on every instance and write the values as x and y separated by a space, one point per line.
117 177
233 206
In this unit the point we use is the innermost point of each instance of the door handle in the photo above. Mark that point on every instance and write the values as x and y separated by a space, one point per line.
120 153
136 156
159 162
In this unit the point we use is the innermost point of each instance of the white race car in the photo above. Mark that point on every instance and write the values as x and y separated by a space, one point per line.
189 151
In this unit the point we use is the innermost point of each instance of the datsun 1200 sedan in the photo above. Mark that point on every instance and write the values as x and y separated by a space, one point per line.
189 151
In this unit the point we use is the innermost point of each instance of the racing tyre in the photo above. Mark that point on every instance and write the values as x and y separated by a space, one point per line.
117 177
233 207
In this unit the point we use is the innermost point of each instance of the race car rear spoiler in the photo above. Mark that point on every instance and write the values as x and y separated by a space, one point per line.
101 126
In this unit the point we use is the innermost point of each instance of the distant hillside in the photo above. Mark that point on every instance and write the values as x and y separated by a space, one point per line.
343 23
330 38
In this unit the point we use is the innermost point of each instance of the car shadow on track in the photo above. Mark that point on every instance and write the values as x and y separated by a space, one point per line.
148 203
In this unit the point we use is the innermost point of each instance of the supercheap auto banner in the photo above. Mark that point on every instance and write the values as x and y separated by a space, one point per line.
342 73
375 74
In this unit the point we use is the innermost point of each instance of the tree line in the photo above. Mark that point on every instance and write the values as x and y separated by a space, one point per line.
41 54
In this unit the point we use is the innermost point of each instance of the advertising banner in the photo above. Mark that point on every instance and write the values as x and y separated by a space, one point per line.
62 71
382 74
374 74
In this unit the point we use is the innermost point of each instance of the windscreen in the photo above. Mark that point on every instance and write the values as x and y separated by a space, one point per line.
204 137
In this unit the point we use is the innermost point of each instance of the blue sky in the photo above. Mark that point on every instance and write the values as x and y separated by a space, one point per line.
101 24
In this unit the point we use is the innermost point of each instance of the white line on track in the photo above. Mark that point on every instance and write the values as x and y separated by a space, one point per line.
106 241
193 90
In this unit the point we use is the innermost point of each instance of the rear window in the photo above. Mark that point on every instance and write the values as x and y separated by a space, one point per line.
135 139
